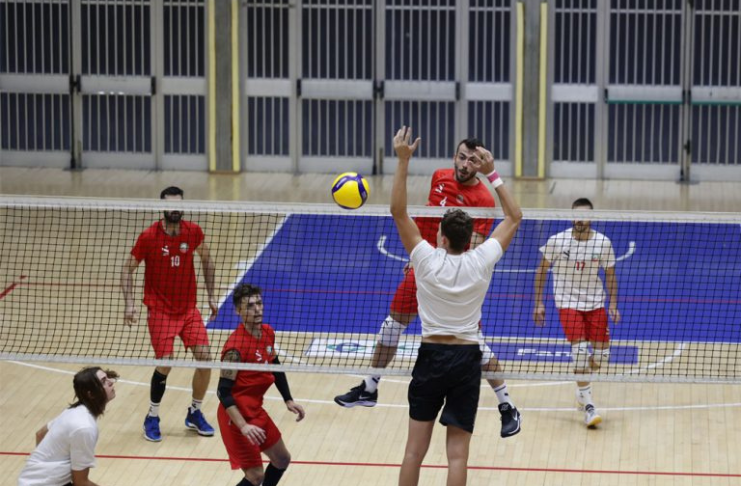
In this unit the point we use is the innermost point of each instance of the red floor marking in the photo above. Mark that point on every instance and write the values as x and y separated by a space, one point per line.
426 466
10 288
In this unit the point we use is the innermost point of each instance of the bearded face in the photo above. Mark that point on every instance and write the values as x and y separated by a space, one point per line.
173 217
582 226
464 158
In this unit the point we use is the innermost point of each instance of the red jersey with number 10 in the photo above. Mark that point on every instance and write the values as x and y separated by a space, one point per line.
169 277
251 385
445 190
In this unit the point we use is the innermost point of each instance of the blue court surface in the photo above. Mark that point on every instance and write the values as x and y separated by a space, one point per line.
337 274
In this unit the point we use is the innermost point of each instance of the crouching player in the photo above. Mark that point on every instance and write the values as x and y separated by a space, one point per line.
246 428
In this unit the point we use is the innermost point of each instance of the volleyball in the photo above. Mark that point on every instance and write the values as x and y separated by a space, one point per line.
350 190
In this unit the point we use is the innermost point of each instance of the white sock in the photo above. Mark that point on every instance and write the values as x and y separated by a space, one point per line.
196 405
585 395
154 409
371 383
503 394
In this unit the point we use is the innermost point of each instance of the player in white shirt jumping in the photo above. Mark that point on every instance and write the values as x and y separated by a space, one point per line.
451 287
575 257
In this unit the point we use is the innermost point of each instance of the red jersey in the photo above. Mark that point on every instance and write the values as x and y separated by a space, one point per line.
251 385
169 277
445 190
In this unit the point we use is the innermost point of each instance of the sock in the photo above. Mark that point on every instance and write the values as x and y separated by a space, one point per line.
244 482
585 395
371 383
272 475
503 394
195 405
156 392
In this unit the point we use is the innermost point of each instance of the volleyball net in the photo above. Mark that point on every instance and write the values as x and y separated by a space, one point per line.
328 277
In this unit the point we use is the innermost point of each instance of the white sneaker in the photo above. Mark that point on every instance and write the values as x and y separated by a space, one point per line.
591 417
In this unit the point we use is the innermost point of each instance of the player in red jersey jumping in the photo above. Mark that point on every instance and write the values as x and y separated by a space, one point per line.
167 248
457 186
246 428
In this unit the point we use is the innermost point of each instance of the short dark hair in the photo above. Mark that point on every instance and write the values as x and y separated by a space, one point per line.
582 201
243 291
172 191
457 227
471 143
89 390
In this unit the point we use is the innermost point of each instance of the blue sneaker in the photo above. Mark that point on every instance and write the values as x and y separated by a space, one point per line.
196 421
152 429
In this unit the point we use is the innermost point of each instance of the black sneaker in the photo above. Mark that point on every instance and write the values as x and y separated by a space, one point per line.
357 396
510 420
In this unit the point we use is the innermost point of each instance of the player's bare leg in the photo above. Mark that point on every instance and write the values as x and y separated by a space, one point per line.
457 445
280 458
418 442
383 354
201 376
366 394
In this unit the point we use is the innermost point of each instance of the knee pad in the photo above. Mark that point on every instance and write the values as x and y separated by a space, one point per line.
601 356
390 332
580 356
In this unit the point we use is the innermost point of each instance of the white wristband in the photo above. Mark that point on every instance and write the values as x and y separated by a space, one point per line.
497 182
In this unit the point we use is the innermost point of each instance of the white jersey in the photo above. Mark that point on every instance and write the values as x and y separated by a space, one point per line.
69 444
575 266
451 288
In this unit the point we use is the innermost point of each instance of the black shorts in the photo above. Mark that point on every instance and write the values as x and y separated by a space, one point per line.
450 374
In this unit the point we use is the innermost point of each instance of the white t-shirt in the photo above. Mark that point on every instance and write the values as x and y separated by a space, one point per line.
575 266
451 288
69 444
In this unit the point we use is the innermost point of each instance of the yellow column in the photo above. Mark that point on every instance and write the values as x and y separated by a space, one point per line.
542 107
519 88
236 163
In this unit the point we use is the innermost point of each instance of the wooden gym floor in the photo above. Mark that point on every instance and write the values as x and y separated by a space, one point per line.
652 434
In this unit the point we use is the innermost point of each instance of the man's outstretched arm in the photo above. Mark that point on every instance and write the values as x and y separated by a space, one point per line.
408 230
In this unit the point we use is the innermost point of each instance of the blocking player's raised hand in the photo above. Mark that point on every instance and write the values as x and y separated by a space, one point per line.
405 150
484 161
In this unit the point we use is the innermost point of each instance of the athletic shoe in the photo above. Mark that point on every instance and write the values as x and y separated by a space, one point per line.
152 429
196 421
357 396
511 420
591 417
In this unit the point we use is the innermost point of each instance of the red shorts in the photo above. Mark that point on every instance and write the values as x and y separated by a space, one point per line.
242 453
163 328
405 298
585 325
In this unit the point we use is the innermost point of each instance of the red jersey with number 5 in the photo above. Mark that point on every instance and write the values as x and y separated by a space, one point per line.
169 277
445 191
251 385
